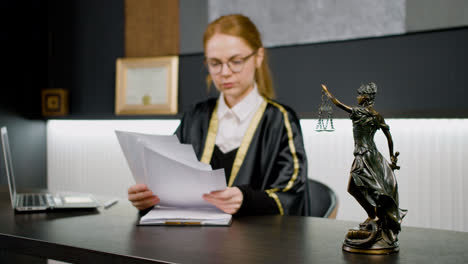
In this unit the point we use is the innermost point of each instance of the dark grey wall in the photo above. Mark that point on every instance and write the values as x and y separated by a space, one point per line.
418 74
193 17
86 39
25 54
435 14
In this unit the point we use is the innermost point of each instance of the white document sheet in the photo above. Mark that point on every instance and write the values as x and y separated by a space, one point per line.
133 152
170 170
178 184
182 153
200 216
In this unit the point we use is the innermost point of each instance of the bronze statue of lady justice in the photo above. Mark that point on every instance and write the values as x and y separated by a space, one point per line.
372 181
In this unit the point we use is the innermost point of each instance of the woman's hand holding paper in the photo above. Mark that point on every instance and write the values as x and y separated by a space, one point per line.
142 197
228 200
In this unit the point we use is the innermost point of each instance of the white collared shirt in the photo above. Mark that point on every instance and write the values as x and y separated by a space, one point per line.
233 122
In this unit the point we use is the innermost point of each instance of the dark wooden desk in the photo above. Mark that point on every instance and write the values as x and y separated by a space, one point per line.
111 236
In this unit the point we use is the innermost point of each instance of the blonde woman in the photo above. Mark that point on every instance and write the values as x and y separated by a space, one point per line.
256 140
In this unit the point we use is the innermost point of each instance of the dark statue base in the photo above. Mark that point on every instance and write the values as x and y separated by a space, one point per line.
370 239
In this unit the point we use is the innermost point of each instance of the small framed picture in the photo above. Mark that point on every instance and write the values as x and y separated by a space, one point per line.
146 86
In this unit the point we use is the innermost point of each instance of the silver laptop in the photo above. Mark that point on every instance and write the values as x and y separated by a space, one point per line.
40 201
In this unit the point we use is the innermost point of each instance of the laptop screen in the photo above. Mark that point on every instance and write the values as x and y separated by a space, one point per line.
8 164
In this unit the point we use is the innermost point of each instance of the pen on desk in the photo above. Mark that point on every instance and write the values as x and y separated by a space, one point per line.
110 203
182 223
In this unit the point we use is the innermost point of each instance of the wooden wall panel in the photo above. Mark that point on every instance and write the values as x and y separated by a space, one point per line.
151 28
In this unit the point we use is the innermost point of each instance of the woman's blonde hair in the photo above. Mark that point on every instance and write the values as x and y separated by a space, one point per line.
242 27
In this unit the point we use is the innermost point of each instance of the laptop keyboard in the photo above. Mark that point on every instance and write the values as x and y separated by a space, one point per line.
33 199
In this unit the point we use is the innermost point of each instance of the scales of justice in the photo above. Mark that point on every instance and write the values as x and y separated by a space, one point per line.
372 180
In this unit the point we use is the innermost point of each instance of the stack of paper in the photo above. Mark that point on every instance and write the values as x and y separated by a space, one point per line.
172 171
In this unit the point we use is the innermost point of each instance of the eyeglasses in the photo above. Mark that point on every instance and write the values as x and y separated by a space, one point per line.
235 64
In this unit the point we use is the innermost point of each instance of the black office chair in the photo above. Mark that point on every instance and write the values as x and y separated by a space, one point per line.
324 202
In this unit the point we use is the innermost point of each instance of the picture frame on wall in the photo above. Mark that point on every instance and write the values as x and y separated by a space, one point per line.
146 86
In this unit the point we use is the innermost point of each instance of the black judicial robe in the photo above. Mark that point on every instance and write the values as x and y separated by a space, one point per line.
270 163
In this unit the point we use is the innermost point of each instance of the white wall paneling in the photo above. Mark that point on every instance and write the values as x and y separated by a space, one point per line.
433 155
85 156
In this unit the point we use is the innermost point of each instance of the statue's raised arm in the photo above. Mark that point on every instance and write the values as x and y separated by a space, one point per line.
336 101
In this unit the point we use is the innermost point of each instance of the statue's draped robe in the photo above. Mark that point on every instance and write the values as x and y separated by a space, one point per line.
372 178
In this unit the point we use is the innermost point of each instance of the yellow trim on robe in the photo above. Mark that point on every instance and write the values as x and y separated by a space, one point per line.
242 151
211 137
291 146
273 195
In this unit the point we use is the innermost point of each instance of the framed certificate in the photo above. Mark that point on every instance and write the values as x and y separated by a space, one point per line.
146 86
